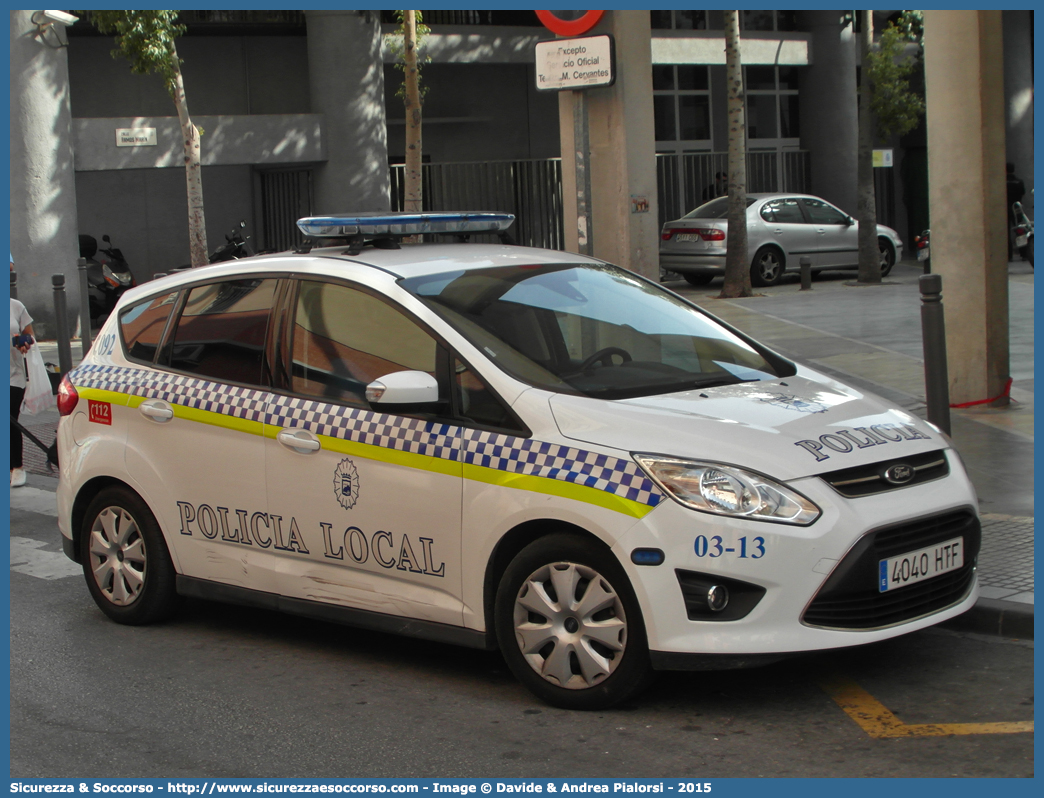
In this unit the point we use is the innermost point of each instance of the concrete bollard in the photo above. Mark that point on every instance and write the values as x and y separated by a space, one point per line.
14 285
933 334
61 323
85 307
806 273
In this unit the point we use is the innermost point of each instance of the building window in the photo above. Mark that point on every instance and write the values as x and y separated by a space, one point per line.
681 108
772 104
765 20
678 20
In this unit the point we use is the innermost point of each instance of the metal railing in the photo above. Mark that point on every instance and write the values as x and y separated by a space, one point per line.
530 189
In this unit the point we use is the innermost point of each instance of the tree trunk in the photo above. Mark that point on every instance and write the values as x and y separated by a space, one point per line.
414 176
737 264
866 211
193 173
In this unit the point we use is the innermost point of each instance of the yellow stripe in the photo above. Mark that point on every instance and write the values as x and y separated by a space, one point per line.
98 395
556 487
438 465
879 722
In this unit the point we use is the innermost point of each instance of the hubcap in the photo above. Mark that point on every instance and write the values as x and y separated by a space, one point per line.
117 556
883 253
769 267
570 625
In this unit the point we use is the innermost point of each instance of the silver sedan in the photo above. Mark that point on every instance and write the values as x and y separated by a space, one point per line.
781 229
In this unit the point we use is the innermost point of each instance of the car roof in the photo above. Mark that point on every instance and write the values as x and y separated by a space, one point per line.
410 260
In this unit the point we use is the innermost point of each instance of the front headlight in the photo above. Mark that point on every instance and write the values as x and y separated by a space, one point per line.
727 490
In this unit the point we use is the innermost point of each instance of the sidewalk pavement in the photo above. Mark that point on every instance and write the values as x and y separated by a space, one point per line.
870 337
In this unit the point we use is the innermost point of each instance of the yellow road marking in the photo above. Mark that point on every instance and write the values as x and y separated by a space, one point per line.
881 723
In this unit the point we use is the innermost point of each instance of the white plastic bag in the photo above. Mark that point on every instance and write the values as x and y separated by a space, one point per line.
38 396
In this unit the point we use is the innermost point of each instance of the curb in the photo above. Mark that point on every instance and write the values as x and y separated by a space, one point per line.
995 617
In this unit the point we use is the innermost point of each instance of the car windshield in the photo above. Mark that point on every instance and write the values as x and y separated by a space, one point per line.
594 330
715 209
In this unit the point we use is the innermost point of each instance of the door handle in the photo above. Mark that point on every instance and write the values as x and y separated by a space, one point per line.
157 410
299 440
778 231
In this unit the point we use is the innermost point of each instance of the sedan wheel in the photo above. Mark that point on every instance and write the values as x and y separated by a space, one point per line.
767 268
125 559
887 255
569 626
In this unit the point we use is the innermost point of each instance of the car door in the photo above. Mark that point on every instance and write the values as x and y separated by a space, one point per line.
838 236
364 501
787 227
194 441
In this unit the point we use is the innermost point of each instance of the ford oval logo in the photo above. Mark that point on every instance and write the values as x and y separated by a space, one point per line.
899 474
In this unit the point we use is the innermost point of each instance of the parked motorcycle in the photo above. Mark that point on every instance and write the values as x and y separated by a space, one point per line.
924 251
234 248
1022 232
108 275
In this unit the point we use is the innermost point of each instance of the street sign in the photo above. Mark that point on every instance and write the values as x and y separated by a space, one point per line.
584 63
569 27
882 158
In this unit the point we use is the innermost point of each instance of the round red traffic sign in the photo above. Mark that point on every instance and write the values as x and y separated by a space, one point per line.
570 27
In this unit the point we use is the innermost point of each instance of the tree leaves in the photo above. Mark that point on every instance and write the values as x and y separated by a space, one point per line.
145 39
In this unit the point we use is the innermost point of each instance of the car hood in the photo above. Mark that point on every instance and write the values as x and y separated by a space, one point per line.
787 429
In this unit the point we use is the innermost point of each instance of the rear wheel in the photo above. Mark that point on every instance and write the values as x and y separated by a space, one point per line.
698 279
569 625
767 267
886 254
125 559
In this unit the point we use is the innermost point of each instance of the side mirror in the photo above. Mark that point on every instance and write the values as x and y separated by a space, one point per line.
849 221
403 387
106 239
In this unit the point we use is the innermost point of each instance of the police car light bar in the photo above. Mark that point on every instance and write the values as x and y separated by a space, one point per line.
404 224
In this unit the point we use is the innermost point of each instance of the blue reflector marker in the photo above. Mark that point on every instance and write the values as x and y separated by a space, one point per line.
404 224
647 557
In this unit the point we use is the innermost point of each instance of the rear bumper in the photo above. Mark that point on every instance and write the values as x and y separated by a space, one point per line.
696 264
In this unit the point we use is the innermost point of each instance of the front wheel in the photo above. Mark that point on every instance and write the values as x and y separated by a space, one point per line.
886 255
767 267
569 625
125 559
698 279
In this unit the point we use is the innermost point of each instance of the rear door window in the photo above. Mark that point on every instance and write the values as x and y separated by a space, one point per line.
222 329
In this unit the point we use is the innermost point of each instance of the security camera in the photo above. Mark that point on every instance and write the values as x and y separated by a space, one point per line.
61 17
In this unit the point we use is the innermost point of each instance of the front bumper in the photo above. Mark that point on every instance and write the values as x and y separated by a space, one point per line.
795 571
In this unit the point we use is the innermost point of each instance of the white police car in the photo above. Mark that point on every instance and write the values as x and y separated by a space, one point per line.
498 446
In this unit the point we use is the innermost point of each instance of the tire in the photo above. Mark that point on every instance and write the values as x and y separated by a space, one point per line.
568 658
887 255
125 559
767 267
698 279
1027 252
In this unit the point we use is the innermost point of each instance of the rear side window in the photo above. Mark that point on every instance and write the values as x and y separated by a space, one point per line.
344 339
782 211
221 332
142 325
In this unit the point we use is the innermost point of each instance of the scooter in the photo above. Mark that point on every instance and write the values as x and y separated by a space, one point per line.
1022 232
108 275
922 244
234 248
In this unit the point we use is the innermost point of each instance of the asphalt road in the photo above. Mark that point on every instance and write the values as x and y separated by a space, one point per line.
224 691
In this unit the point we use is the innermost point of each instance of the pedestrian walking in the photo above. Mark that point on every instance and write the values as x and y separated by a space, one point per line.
21 340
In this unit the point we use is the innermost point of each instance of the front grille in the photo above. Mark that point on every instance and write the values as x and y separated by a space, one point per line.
867 480
850 598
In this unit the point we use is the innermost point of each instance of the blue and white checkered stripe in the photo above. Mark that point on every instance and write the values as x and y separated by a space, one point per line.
491 450
539 458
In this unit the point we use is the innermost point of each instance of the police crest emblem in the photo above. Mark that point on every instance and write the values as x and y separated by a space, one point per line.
346 484
792 402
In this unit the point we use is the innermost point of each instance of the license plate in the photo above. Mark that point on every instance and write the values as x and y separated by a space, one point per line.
692 237
922 254
916 566
1021 241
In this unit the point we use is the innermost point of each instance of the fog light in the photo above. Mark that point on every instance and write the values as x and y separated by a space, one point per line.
717 598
